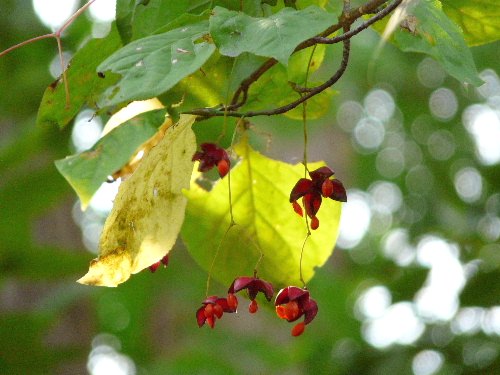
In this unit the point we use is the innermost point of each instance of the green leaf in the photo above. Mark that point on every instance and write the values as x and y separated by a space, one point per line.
275 36
299 61
86 171
271 88
150 16
479 19
152 65
260 189
125 10
84 83
148 211
437 36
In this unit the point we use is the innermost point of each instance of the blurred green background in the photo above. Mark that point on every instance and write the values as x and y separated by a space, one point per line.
412 288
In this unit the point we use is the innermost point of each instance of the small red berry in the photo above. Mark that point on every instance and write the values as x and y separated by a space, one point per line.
314 223
232 301
218 310
210 156
297 208
298 329
281 311
253 307
292 310
327 188
209 311
211 321
223 167
154 267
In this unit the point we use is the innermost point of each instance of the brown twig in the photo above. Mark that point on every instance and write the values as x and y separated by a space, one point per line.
57 36
211 112
347 18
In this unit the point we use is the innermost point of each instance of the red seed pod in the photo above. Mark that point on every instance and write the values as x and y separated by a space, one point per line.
218 310
209 311
327 188
223 167
154 267
253 307
292 310
297 208
211 321
314 223
298 329
232 301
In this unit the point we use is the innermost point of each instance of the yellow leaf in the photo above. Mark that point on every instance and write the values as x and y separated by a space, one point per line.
148 211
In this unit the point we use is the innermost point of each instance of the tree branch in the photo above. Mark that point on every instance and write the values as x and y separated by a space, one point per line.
347 18
211 112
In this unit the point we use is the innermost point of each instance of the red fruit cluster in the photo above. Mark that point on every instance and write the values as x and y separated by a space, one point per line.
312 190
210 156
293 302
163 261
253 285
212 309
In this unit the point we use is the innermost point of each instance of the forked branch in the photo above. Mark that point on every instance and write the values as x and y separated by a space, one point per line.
347 18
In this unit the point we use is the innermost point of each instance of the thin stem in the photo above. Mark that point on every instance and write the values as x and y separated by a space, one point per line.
302 256
357 30
215 257
73 17
65 80
57 36
347 18
32 40
210 112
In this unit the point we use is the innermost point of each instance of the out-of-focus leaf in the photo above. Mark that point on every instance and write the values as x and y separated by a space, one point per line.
148 211
260 189
482 290
125 10
437 36
275 36
84 82
155 14
478 19
86 171
152 65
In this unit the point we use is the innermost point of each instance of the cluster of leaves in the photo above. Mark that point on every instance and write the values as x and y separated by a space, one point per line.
182 57
27 266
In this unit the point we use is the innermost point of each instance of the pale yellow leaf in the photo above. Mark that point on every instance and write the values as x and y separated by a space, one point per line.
148 211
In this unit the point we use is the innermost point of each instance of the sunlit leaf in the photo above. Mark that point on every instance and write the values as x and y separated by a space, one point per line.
275 36
152 65
478 19
86 171
84 82
148 211
437 36
265 221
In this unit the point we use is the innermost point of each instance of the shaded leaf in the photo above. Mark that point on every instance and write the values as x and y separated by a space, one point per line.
152 65
148 211
84 83
86 171
271 88
437 36
125 10
478 19
275 36
265 220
